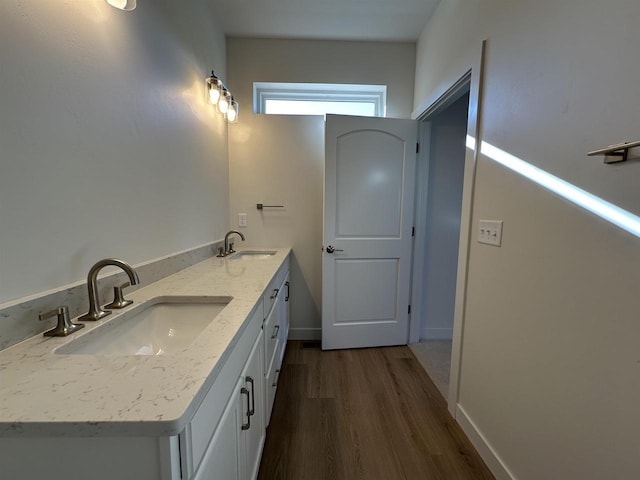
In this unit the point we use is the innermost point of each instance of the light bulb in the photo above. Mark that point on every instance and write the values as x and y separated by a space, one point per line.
213 87
123 4
223 103
214 95
232 113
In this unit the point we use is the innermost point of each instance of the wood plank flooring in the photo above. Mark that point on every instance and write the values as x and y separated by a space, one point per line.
363 414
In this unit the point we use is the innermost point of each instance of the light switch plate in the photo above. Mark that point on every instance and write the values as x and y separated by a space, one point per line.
242 219
490 232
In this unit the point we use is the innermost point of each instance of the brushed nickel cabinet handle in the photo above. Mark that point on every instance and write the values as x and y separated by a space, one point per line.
246 426
252 411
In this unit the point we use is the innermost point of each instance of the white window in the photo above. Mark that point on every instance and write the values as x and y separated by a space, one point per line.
319 99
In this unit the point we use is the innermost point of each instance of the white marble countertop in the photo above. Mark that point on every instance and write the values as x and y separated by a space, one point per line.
43 393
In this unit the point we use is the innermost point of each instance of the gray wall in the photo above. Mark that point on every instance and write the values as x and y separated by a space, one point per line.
316 61
443 211
550 342
280 159
108 148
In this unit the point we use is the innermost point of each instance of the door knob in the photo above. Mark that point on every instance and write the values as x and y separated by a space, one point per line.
330 249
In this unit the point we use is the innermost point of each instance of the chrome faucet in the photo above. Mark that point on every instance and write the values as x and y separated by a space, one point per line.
228 250
95 311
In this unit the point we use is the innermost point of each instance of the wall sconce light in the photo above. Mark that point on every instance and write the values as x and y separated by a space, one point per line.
123 4
223 103
213 88
232 112
218 94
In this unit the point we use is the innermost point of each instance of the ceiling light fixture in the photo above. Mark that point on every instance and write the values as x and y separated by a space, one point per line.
123 4
219 95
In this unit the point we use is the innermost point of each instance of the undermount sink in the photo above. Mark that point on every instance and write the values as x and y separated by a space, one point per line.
160 326
253 255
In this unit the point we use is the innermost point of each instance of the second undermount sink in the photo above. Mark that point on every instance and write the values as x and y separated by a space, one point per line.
253 255
160 326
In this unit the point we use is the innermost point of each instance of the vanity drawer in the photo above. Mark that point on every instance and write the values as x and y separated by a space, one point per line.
271 336
274 289
279 356
271 387
283 332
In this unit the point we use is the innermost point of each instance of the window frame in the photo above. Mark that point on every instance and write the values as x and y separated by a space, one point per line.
330 92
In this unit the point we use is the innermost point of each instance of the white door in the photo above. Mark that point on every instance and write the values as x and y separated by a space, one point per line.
368 214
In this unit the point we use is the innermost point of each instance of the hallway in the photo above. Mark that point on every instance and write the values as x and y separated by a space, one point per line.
362 414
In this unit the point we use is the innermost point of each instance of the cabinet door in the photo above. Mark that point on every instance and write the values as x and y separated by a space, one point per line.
271 333
222 459
284 322
253 431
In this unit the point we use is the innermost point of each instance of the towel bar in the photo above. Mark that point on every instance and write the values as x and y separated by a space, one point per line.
615 153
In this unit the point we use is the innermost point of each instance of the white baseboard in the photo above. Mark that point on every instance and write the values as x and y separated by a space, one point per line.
305 334
436 334
490 457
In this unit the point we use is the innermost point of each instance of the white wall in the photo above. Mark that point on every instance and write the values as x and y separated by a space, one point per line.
107 146
280 159
550 347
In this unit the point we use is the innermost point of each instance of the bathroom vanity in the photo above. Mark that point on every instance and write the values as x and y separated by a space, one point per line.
83 407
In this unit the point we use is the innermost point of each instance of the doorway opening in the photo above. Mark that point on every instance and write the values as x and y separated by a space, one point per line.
439 213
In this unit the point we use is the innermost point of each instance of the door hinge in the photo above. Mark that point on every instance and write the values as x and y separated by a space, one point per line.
409 310
413 231
417 148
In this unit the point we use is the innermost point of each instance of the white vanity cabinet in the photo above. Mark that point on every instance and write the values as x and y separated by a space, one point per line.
224 439
276 331
222 458
236 446
252 431
218 434
284 322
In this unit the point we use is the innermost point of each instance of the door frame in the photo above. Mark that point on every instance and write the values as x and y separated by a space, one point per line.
468 78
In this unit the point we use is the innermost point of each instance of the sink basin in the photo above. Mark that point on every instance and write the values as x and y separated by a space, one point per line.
253 255
159 326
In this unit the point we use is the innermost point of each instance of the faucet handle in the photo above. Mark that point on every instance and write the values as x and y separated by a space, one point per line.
220 252
64 326
118 298
231 250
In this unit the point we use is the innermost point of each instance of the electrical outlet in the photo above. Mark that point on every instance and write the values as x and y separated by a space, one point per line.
242 219
490 232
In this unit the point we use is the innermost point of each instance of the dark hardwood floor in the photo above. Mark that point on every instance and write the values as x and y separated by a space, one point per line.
363 414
